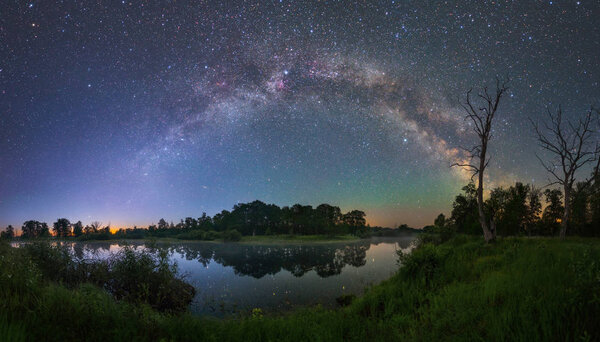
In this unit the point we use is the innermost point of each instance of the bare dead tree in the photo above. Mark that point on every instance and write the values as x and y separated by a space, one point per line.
573 147
96 225
482 115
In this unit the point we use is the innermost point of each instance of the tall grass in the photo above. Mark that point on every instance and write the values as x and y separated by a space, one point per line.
462 289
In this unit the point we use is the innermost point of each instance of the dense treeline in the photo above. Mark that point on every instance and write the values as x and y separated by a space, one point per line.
517 210
570 146
259 218
254 218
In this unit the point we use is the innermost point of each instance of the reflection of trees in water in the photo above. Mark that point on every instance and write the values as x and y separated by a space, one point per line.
258 261
202 253
79 250
93 250
400 241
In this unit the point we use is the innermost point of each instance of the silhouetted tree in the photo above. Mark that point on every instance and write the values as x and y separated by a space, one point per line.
251 218
327 217
532 220
28 230
62 227
464 214
579 208
34 229
554 210
205 222
96 226
595 203
440 221
515 210
222 220
301 218
573 147
258 217
286 220
162 224
355 220
482 116
190 223
77 229
10 231
255 216
8 234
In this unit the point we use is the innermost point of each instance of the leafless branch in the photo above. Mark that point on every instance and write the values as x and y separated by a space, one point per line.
572 148
481 115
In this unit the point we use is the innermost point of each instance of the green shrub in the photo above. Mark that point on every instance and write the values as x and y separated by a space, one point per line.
103 235
55 262
422 263
436 235
199 235
130 275
345 300
192 235
211 235
142 277
232 235
18 274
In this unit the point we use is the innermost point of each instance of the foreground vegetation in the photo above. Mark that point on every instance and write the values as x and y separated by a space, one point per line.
515 289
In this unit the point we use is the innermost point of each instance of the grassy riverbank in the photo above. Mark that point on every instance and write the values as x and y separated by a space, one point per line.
283 239
463 289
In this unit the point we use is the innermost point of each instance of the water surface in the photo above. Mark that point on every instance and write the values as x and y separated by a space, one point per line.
235 277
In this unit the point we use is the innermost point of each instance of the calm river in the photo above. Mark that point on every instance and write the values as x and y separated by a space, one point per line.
233 277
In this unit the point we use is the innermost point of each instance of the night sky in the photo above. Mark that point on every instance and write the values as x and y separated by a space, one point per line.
126 112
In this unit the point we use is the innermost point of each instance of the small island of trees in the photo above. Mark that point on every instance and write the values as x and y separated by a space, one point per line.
245 219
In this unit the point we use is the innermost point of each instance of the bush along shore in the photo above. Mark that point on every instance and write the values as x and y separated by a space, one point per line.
449 287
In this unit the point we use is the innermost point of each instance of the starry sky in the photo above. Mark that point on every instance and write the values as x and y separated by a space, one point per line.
129 111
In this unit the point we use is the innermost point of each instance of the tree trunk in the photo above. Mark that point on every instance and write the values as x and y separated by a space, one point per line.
493 227
488 234
565 218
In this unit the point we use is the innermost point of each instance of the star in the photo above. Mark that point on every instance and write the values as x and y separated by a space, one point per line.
352 103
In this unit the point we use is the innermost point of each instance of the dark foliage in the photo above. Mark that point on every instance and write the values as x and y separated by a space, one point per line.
130 275
8 233
517 210
253 218
232 235
34 229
